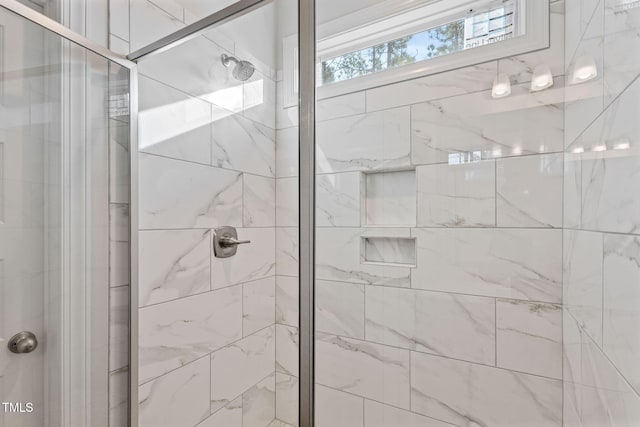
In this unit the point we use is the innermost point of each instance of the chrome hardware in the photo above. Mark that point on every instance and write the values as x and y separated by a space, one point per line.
225 242
23 342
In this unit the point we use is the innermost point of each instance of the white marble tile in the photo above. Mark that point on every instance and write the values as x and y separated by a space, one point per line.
572 190
338 199
258 305
239 366
621 304
529 191
173 264
381 415
371 141
621 46
172 7
366 369
287 152
228 416
287 300
508 263
340 308
337 409
287 399
177 332
119 398
259 201
255 260
467 394
259 100
244 145
605 396
432 322
287 343
119 247
520 67
457 82
177 194
478 126
585 101
195 68
571 371
259 403
339 257
149 23
177 398
119 18
340 106
582 279
287 202
457 195
390 198
173 123
119 327
610 201
287 251
529 337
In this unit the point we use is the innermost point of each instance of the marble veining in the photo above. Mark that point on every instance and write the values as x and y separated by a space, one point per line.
467 394
529 337
509 263
371 141
239 366
432 322
177 194
177 332
173 264
366 369
457 195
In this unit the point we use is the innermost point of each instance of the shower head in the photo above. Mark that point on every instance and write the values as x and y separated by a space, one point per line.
242 70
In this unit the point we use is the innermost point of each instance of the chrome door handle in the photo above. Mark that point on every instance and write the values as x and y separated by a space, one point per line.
230 241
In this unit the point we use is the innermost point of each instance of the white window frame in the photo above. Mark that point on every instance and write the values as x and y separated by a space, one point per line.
392 19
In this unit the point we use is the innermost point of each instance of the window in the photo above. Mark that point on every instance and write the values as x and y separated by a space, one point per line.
477 28
393 41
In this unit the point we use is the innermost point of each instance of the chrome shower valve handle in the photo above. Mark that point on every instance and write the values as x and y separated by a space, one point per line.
230 241
225 242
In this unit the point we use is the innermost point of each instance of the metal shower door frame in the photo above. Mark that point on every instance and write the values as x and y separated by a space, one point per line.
306 174
65 33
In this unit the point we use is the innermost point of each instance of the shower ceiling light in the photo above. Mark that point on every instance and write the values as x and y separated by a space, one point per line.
501 86
542 78
585 69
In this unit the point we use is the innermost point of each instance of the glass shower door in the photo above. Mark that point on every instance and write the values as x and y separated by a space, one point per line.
63 110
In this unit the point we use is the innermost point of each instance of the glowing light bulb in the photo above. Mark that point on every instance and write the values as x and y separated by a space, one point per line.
501 86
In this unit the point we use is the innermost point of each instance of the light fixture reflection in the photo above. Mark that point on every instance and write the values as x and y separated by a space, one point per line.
578 150
542 78
584 70
622 144
601 147
501 86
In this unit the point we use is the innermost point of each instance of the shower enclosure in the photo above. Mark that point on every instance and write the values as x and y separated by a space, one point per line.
372 213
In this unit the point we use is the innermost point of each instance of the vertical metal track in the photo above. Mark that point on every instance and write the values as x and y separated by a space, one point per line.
306 174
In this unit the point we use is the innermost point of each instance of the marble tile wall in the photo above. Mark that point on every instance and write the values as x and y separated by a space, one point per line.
601 219
207 158
472 334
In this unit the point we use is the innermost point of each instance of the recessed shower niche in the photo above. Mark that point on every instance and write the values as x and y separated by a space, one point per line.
389 201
